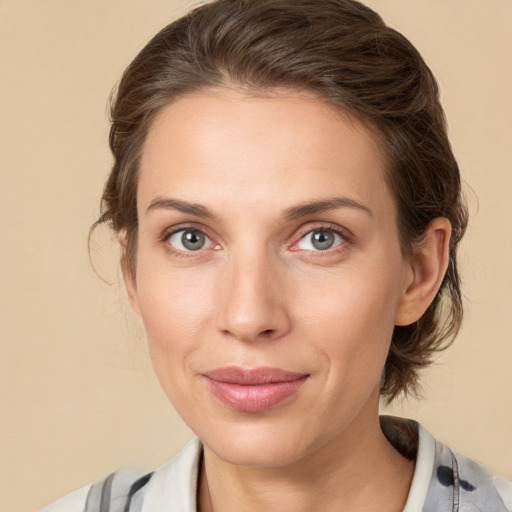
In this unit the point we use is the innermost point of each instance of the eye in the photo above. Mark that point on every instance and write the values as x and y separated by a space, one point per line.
189 240
320 240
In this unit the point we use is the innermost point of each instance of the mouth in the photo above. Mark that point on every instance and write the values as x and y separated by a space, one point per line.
253 390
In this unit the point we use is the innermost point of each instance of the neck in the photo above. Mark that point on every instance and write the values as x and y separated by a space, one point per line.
357 471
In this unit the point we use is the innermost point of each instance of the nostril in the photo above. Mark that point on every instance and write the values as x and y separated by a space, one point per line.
267 332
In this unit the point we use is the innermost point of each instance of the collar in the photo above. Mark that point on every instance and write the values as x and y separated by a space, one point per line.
174 485
441 480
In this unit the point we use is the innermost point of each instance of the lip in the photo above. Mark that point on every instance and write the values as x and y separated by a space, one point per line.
253 390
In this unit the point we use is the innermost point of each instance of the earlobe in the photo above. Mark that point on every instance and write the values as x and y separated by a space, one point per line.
425 272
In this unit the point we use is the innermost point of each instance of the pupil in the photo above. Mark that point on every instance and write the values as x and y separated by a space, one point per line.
192 240
323 240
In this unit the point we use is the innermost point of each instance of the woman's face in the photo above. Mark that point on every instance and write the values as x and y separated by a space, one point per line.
269 273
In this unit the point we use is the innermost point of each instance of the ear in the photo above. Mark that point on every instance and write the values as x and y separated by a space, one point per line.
425 272
130 281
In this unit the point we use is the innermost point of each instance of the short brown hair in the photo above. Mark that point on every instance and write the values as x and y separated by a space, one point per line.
341 51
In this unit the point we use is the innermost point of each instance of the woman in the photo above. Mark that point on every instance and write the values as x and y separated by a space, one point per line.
289 210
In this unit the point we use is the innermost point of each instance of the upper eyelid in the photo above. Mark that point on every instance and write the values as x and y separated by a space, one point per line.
166 233
342 231
321 229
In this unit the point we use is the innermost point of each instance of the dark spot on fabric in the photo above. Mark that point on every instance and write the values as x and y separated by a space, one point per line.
445 476
467 486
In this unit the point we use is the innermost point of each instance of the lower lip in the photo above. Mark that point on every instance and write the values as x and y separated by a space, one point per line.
254 398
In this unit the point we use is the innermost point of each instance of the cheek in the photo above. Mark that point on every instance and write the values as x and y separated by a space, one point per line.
350 318
173 313
174 309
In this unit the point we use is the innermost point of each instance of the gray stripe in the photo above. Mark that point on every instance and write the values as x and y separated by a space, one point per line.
93 497
104 497
134 489
456 483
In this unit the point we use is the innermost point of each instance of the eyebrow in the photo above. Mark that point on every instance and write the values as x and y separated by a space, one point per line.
313 207
292 213
168 203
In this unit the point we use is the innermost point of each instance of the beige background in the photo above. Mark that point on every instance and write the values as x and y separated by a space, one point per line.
78 397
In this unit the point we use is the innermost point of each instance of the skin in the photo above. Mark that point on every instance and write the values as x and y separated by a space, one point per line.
260 294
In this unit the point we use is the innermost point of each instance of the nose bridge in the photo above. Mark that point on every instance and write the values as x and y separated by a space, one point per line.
251 304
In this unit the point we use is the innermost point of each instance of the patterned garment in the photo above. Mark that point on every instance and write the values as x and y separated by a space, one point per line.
442 481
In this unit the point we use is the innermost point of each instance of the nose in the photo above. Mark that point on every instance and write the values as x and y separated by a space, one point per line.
252 302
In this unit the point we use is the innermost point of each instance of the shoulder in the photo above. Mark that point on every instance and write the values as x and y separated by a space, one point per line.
172 487
479 487
444 481
114 493
504 488
466 484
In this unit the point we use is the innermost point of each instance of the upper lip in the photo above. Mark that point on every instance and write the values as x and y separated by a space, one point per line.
252 376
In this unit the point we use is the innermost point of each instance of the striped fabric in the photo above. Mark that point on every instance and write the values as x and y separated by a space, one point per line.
117 493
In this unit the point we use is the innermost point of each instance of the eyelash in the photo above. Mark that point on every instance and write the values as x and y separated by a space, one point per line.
347 238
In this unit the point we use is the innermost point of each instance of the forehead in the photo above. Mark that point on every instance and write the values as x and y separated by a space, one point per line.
227 145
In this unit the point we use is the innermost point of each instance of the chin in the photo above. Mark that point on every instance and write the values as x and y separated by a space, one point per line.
258 445
257 453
